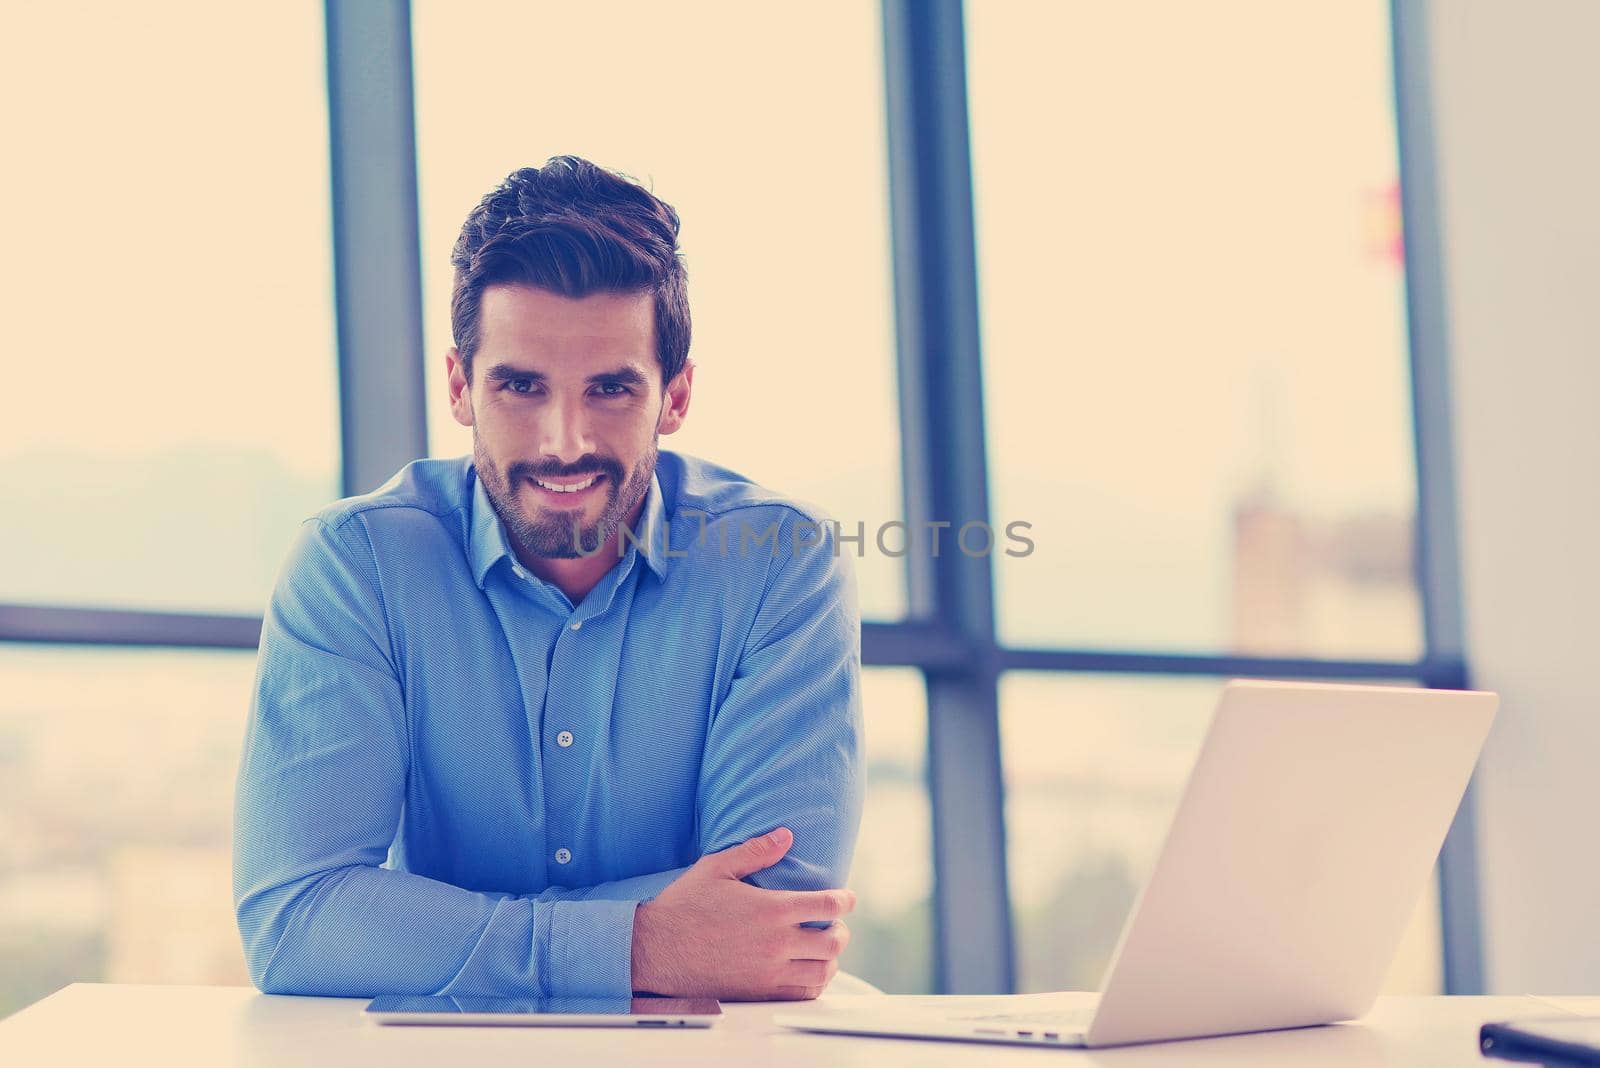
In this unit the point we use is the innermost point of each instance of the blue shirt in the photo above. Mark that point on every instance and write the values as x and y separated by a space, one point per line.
455 781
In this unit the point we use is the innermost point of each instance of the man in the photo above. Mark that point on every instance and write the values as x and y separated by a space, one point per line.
575 717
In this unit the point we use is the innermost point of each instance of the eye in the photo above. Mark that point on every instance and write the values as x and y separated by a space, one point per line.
613 389
519 385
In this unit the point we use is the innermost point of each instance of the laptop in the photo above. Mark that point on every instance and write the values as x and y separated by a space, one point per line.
1297 854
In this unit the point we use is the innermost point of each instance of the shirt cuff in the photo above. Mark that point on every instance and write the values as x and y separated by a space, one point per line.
591 949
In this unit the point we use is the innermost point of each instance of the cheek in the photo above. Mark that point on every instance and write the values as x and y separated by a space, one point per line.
508 422
628 430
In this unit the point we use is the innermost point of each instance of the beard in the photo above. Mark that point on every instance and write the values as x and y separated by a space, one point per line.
563 535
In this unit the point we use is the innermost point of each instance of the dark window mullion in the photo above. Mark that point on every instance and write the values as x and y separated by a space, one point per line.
945 472
376 239
96 626
1438 570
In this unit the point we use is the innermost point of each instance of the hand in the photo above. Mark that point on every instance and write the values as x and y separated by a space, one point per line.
710 935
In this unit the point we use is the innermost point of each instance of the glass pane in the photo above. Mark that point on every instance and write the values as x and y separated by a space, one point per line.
891 929
1194 325
1093 769
174 410
116 808
777 169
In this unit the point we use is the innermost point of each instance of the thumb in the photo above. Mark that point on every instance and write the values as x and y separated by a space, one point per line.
749 857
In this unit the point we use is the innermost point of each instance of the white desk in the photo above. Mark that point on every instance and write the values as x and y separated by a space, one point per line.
118 1025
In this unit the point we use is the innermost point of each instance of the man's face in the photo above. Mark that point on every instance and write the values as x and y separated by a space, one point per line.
565 405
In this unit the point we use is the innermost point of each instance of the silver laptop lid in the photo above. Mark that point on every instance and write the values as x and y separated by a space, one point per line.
1298 851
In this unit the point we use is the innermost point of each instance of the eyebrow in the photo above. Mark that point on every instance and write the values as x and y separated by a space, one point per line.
627 375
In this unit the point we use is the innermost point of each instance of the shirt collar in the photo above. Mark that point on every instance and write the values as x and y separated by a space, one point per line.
487 539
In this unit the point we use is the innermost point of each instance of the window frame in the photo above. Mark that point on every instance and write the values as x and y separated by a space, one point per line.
949 633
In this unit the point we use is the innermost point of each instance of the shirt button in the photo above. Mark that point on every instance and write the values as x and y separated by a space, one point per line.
563 855
577 625
564 739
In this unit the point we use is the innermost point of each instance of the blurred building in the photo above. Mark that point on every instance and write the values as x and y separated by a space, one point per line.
1340 586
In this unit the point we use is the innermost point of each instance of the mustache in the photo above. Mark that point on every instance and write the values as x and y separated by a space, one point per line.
584 465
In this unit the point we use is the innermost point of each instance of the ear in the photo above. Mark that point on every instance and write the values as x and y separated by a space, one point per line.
675 406
460 394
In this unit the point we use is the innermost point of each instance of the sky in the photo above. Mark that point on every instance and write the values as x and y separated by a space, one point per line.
1184 290
171 278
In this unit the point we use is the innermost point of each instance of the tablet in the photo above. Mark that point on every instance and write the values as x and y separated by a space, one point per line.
544 1012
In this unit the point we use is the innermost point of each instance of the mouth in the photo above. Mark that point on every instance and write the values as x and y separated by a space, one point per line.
566 492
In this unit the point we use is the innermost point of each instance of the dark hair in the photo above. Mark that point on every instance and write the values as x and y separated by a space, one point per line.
572 228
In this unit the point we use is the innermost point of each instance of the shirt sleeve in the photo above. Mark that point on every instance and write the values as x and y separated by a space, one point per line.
784 744
320 793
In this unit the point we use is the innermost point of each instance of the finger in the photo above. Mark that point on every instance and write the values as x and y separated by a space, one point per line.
796 993
748 857
802 906
808 943
807 973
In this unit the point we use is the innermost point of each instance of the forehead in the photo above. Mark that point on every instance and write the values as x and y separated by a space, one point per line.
522 322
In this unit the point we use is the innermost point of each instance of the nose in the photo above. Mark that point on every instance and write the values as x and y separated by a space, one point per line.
564 431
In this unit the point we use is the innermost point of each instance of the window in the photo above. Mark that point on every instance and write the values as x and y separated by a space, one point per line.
1194 326
173 410
1094 768
116 813
1192 305
785 224
891 931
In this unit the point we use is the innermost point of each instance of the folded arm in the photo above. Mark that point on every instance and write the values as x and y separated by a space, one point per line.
783 748
782 756
322 786
320 793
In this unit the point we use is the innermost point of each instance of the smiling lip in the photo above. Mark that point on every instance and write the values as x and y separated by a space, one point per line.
565 491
